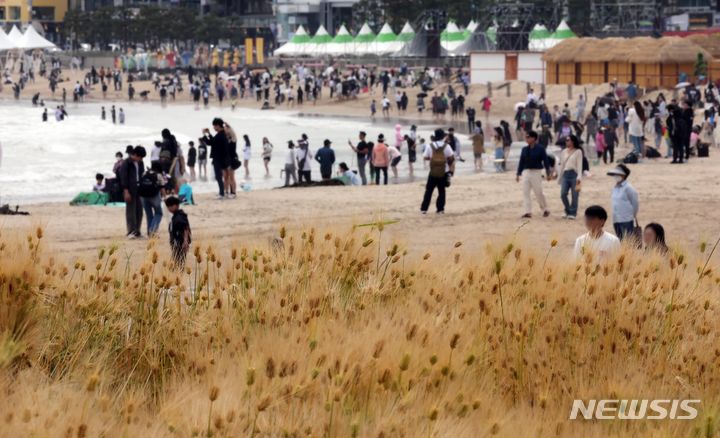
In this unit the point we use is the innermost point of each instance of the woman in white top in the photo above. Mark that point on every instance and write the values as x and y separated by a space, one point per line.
290 164
267 154
636 127
247 154
570 172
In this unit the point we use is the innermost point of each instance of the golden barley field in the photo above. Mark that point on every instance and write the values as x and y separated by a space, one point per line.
343 333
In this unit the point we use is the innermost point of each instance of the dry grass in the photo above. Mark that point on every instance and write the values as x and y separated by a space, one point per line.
344 334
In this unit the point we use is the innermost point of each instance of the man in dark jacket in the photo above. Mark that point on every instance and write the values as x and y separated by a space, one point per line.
679 131
130 173
219 152
326 158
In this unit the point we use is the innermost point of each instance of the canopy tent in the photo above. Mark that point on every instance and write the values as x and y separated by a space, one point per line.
15 34
386 41
319 43
296 45
472 25
342 44
538 38
563 32
491 33
407 33
417 46
476 42
452 37
364 40
5 42
32 40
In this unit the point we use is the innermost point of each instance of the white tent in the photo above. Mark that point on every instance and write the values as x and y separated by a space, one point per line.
32 40
319 43
5 42
364 40
452 37
296 45
15 35
386 41
342 44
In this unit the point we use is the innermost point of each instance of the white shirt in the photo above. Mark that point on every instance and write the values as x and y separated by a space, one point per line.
290 158
155 153
635 123
354 178
603 246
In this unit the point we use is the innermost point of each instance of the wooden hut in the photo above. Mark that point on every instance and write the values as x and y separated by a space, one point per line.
649 62
711 43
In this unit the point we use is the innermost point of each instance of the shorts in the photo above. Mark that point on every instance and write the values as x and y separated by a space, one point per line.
202 162
395 161
266 159
478 155
412 156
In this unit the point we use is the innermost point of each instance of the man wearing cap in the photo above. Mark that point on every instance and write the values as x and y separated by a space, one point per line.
625 203
441 157
326 158
130 173
533 159
362 150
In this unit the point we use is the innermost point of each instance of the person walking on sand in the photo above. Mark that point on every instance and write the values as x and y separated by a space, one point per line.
202 159
113 114
625 202
326 158
219 150
570 174
267 154
596 241
247 155
290 164
152 185
361 150
411 142
192 158
304 157
478 142
131 171
385 107
533 159
441 157
179 231
380 160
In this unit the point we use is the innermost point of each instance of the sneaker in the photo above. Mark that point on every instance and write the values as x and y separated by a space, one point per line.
132 236
441 212
546 213
526 216
570 217
423 212
565 216
219 197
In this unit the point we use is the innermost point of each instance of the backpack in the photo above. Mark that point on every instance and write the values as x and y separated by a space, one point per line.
438 161
149 186
630 158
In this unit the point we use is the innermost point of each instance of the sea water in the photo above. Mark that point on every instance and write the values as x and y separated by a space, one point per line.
53 161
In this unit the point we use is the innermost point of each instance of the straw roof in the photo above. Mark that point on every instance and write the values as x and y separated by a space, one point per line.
640 50
711 43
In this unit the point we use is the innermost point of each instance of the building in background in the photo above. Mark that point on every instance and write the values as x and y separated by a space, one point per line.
46 15
311 14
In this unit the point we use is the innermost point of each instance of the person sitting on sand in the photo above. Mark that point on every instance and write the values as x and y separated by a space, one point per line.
99 183
596 240
185 193
347 176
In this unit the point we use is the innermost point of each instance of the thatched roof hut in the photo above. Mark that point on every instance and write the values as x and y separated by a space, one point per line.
647 61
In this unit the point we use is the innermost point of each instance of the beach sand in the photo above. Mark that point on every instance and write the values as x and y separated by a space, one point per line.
480 208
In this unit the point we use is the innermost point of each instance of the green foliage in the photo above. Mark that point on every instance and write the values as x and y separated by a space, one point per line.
701 66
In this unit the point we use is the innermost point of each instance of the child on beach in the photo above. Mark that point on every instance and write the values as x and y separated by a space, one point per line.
179 230
373 108
499 143
600 145
99 184
185 193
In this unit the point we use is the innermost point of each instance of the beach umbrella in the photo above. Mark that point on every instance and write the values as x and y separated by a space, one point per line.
342 44
297 44
364 40
319 43
563 32
386 41
451 37
32 40
5 42
537 40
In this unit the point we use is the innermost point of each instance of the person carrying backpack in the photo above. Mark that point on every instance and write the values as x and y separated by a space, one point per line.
150 190
441 158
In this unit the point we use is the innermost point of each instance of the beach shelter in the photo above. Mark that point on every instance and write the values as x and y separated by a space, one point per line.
386 41
563 32
407 33
537 40
491 33
452 37
320 42
342 44
296 45
5 42
14 34
32 40
476 42
472 25
364 40
417 45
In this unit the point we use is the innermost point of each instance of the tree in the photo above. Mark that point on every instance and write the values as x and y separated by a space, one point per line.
701 66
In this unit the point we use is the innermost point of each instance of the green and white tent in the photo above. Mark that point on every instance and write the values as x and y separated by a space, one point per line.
472 25
491 33
386 41
319 43
563 32
452 37
297 44
342 44
406 34
364 41
538 38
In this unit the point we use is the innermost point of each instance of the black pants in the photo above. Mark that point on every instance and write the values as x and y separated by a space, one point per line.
432 183
611 151
679 151
304 174
377 175
134 215
179 254
218 168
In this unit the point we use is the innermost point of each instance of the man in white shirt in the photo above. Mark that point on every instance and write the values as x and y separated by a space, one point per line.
440 157
596 241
